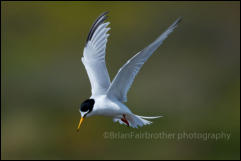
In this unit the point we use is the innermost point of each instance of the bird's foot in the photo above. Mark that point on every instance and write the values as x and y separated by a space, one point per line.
125 120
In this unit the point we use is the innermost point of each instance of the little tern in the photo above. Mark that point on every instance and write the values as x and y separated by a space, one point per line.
108 97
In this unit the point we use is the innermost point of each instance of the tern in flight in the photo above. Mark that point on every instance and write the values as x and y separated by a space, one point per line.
107 97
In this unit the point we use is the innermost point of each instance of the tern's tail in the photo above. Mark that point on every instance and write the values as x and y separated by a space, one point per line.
136 121
142 120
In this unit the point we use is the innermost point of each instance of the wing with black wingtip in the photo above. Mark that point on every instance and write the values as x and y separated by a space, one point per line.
94 56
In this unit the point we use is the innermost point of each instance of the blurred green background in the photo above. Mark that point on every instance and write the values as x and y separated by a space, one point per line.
193 79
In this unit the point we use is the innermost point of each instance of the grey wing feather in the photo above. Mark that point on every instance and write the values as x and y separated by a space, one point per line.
94 56
125 76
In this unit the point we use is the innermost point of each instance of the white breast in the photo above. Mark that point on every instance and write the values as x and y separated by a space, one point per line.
108 107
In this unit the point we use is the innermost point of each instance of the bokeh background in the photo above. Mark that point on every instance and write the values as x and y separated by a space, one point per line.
193 79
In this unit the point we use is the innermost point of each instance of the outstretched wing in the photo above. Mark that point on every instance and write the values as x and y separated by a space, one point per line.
125 76
94 56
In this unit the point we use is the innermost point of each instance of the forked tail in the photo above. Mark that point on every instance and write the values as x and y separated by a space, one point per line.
136 121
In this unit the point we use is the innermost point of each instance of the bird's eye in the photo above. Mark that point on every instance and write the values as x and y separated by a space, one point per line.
84 107
87 105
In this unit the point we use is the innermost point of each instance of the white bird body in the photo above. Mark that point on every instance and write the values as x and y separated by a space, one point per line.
108 107
108 97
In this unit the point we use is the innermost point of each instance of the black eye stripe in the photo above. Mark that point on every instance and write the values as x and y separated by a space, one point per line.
87 105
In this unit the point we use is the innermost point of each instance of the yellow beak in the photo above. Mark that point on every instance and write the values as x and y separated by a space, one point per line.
80 122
